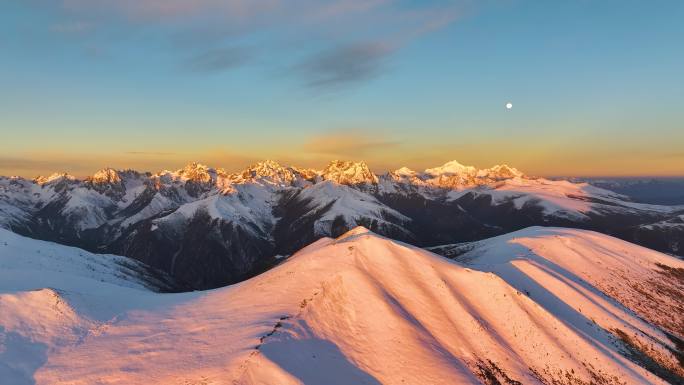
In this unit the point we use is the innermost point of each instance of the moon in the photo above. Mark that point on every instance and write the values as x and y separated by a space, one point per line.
509 105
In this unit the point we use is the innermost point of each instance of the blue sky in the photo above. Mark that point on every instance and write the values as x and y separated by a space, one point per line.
597 86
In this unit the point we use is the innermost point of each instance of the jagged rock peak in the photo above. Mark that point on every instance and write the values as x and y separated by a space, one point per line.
307 174
194 166
197 172
267 164
267 170
106 176
108 182
454 175
54 178
349 172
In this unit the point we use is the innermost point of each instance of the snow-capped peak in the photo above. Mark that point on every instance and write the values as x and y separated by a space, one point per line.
404 171
108 182
405 176
499 172
268 170
267 164
451 175
349 173
451 168
454 175
196 172
54 178
106 176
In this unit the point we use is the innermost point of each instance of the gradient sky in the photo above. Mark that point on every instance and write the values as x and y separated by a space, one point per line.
597 86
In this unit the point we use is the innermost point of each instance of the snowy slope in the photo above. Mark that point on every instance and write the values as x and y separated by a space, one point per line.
18 196
27 264
576 273
620 270
53 296
504 186
247 205
350 206
565 198
556 198
359 309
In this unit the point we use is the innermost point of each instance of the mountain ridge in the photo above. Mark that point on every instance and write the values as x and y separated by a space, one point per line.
335 170
207 227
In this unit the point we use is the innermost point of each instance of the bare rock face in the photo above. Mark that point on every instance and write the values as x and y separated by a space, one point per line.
196 172
349 173
274 174
57 181
107 182
54 178
198 178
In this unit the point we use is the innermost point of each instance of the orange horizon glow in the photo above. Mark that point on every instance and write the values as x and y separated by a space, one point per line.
541 165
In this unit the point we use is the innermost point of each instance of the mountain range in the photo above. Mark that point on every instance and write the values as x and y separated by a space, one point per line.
204 227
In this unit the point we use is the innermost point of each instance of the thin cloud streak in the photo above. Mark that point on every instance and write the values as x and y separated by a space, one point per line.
245 12
171 10
21 163
149 153
344 65
347 144
347 64
219 60
30 166
73 27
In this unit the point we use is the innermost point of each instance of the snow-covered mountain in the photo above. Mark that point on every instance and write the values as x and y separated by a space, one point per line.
207 227
540 306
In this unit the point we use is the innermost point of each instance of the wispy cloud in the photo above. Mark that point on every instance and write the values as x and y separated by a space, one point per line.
29 166
380 35
351 143
332 43
21 163
217 60
344 65
171 10
150 153
72 27
243 11
333 9
83 164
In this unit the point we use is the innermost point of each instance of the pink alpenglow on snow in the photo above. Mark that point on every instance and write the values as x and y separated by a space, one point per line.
539 306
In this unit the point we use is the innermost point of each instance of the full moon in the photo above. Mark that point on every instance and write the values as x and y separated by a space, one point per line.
509 105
